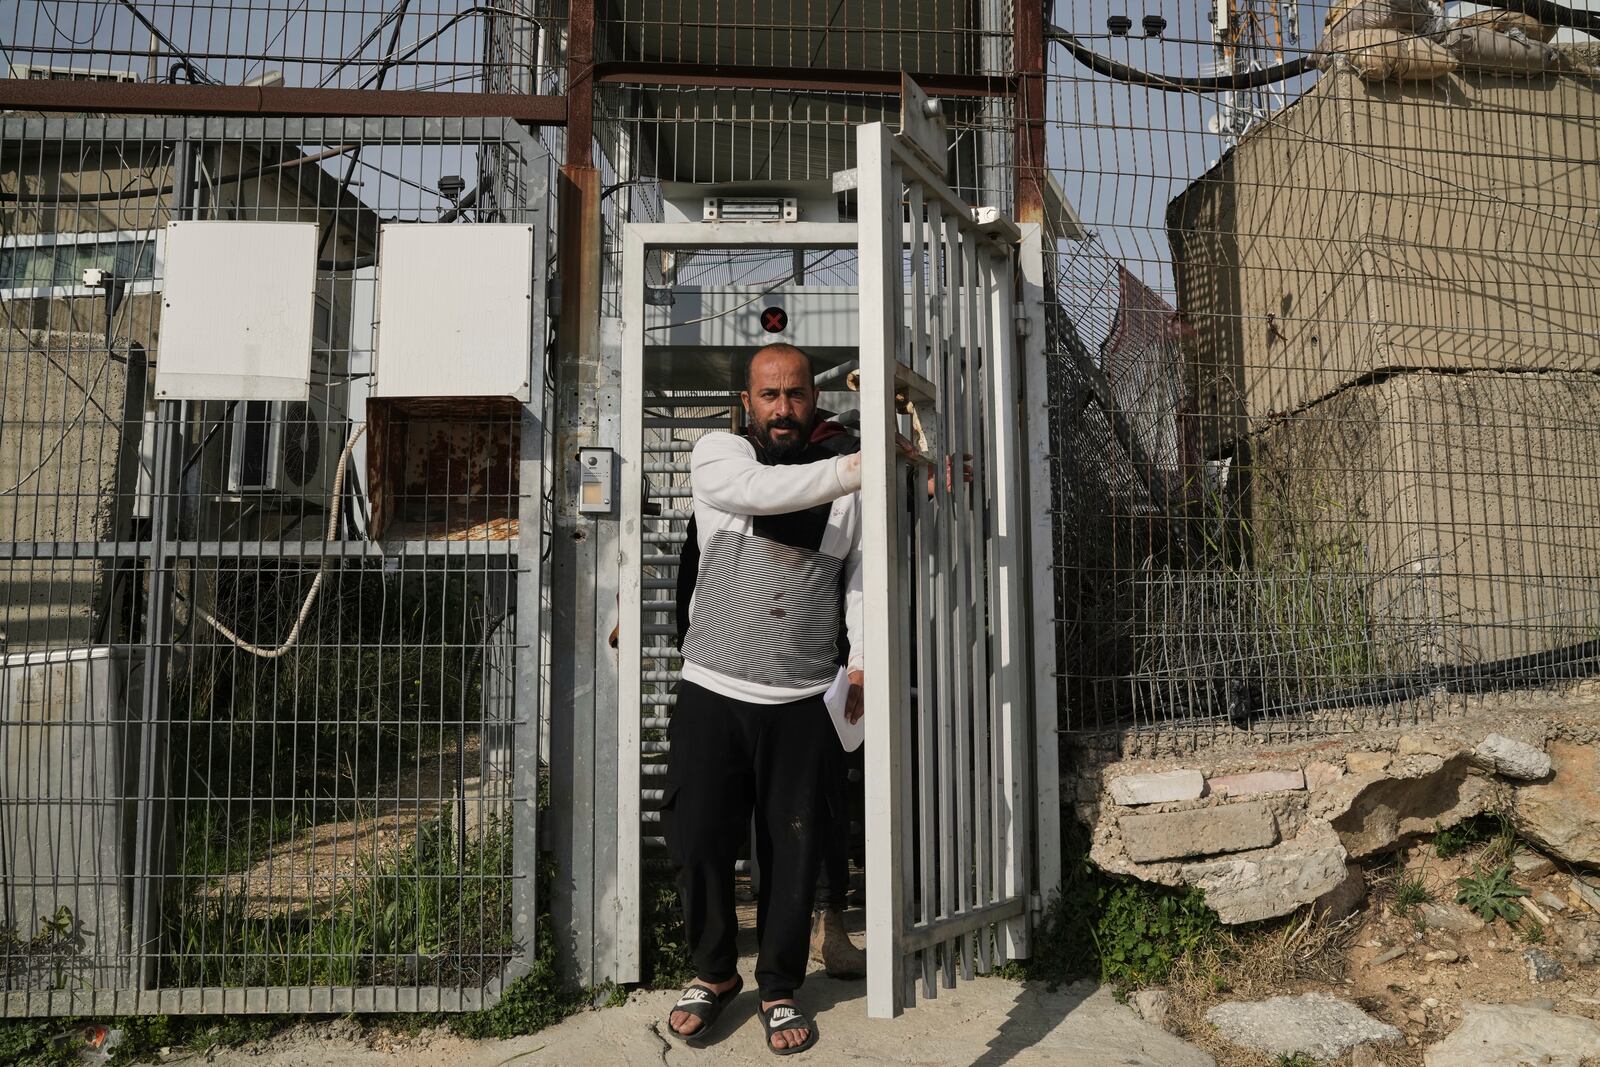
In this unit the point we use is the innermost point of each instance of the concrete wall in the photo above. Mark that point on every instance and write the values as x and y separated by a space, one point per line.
64 477
1440 225
1395 292
1469 502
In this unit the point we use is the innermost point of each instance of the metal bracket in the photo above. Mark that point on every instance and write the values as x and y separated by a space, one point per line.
922 125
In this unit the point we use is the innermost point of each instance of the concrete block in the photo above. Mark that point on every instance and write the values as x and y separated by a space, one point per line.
1244 785
1205 832
1160 787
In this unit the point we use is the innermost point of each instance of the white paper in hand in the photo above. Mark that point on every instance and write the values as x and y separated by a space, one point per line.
850 734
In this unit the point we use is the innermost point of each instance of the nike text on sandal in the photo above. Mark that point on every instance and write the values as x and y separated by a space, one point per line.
703 1004
781 1017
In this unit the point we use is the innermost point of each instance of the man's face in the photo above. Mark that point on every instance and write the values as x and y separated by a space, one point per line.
781 403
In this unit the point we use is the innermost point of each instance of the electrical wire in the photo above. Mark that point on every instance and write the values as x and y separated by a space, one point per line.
293 639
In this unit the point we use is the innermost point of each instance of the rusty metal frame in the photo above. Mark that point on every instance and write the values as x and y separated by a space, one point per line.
23 94
816 79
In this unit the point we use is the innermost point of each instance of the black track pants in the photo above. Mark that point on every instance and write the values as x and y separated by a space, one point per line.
730 758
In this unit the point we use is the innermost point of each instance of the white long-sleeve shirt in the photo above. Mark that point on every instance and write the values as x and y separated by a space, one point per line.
774 543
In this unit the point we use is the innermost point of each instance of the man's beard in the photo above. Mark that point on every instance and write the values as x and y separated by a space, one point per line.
788 449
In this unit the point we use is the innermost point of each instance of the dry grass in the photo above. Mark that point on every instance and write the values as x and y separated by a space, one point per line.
1298 955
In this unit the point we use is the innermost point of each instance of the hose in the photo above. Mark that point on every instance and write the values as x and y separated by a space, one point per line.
316 583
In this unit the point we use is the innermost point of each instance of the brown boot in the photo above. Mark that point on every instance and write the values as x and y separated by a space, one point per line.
832 947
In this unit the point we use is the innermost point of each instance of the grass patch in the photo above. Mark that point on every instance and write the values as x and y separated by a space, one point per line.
437 911
1410 893
1299 1059
1451 841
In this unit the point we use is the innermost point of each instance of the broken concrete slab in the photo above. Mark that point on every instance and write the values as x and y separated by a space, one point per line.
1157 787
1345 897
1254 782
1512 759
1562 815
1313 1024
1510 1034
1375 812
1272 882
1201 832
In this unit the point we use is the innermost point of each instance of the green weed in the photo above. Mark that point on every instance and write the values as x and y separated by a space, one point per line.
1492 896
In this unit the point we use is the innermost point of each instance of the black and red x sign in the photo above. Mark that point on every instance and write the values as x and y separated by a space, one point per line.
774 320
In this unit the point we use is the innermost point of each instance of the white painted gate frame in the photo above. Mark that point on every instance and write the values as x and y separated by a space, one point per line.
1019 572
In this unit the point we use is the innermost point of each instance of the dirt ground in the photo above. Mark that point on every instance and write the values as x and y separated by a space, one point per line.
1379 959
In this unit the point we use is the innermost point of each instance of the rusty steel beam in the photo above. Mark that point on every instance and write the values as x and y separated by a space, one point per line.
580 83
1028 152
797 79
23 94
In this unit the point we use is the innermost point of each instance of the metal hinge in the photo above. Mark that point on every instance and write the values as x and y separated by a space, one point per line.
1023 324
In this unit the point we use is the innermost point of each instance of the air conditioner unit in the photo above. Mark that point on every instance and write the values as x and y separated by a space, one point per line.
290 448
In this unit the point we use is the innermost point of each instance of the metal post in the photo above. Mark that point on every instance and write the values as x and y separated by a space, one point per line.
1039 604
880 243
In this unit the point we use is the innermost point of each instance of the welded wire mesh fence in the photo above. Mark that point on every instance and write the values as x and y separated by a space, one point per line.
1323 363
437 45
269 669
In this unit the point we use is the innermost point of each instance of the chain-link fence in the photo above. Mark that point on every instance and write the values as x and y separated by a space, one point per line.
1323 359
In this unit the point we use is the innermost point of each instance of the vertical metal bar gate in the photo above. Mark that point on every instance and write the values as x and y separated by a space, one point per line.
949 748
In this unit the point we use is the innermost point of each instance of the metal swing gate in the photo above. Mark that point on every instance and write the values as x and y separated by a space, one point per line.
952 730
948 748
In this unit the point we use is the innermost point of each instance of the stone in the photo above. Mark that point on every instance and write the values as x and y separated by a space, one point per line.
1449 918
1153 1005
1345 897
1367 762
1512 759
1586 893
1551 901
1444 955
1245 785
1366 1056
1507 1035
1315 1024
1541 1003
1373 814
1202 832
1532 864
1158 787
1562 815
1267 884
1389 956
1542 967
1320 774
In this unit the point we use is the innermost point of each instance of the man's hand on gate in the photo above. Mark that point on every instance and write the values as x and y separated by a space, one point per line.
854 700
